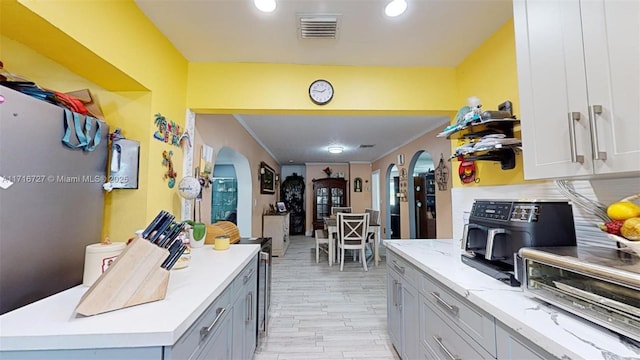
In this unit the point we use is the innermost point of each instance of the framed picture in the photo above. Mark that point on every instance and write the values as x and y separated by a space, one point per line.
267 179
281 207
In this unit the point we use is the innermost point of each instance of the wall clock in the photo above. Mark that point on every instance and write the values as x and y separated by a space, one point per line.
321 92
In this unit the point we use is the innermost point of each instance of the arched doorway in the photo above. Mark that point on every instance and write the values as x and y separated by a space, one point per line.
422 196
392 220
230 157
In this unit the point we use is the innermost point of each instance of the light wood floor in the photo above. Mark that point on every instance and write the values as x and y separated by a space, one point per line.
318 312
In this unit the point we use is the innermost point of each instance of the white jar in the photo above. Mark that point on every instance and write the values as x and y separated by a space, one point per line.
98 258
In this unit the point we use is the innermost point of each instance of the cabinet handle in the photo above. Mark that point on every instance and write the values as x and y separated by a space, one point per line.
250 305
438 341
451 308
206 330
575 158
247 277
595 110
399 268
400 297
395 293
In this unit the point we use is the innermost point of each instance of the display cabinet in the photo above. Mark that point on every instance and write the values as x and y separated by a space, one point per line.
224 199
327 193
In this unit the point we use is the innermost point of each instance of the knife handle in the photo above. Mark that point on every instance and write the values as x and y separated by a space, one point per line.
162 228
154 224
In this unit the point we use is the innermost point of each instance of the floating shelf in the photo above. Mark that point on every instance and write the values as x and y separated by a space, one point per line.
479 129
505 155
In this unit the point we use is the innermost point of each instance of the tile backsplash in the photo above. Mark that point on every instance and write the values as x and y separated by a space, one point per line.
604 191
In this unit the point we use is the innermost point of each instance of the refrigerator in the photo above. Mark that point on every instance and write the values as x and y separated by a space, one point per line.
51 200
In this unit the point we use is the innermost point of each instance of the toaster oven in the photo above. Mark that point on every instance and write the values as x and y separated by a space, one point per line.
601 285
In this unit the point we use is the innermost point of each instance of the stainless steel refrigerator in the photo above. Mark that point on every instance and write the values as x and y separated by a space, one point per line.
51 200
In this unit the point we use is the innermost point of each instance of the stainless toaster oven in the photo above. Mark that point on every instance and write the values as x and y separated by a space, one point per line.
601 285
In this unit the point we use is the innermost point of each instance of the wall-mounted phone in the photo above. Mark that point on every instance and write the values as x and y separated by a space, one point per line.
125 158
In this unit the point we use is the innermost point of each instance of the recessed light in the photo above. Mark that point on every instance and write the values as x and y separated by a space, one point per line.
335 149
395 8
265 5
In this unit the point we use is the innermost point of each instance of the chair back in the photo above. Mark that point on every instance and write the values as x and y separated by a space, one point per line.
352 227
341 209
374 216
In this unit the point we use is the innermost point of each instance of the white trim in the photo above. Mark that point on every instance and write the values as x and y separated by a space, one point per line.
187 160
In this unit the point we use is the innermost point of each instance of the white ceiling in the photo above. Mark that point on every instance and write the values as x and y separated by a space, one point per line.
430 33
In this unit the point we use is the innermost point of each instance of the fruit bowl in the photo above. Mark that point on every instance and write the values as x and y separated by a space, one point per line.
633 245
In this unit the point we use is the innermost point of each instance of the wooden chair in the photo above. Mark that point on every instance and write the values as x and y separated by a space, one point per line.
322 239
341 209
352 235
374 219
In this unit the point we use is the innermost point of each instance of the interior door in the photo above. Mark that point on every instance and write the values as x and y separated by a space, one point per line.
419 194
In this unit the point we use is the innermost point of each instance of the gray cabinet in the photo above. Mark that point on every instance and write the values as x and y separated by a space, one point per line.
211 330
428 320
402 306
227 329
512 345
440 340
245 313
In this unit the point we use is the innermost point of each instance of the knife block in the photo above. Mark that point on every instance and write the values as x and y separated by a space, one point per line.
134 278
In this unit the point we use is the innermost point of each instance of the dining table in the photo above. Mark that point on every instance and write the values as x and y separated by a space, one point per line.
331 225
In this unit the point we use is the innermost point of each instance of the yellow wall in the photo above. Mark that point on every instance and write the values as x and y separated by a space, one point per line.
283 89
489 73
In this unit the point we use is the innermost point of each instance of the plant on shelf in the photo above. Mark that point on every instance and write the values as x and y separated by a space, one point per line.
327 171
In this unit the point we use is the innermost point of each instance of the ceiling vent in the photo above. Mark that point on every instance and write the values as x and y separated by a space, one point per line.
317 26
367 146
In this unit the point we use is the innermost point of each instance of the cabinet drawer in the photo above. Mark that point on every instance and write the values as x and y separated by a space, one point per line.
247 274
198 335
479 325
403 268
439 340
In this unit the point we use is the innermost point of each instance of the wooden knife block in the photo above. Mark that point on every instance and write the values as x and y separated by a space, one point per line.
134 278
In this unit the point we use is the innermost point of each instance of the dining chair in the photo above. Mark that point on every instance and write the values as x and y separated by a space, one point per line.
374 219
352 235
322 239
341 209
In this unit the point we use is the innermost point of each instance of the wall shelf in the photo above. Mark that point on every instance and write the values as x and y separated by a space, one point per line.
478 129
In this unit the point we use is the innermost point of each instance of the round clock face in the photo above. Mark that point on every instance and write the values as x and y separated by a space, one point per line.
321 92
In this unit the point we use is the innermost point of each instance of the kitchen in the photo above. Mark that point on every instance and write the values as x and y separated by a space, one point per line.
142 205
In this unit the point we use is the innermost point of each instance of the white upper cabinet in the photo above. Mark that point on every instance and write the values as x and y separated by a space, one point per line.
579 83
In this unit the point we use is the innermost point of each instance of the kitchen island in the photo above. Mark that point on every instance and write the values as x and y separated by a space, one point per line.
50 327
427 276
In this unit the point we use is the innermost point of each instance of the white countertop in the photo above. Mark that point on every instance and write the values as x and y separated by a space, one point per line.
558 332
51 323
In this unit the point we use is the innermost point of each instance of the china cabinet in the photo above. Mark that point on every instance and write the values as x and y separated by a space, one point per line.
327 192
578 69
224 199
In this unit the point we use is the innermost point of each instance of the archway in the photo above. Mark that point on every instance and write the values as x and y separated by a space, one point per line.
392 218
228 156
422 199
